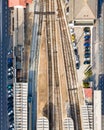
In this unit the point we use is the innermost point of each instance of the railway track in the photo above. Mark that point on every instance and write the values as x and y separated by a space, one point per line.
57 98
70 70
50 77
55 114
41 9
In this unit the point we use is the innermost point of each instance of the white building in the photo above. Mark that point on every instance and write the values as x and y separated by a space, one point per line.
20 106
97 110
87 117
68 124
42 123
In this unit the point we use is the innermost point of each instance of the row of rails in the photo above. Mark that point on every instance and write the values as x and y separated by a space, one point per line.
41 10
34 59
70 70
57 99
50 73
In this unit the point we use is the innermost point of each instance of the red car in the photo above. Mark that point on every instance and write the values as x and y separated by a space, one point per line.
87 41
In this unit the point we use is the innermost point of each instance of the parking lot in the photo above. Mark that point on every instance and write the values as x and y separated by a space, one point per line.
82 43
10 74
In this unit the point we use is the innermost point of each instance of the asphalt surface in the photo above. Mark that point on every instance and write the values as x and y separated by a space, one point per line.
4 44
101 54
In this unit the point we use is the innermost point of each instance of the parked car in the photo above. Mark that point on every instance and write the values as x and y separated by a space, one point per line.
86 62
10 95
10 77
87 48
10 91
86 59
87 44
74 45
11 116
10 60
76 51
75 48
77 61
86 33
10 51
10 69
11 129
10 102
87 37
72 31
10 108
10 73
86 29
10 105
9 113
87 55
73 37
77 65
10 86
11 119
11 126
87 40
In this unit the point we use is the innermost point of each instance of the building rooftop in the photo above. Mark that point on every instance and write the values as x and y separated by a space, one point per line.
42 123
18 3
88 92
86 9
97 110
20 106
87 117
68 124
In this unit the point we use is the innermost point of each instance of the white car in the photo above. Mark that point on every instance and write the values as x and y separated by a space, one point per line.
86 33
77 58
11 126
10 69
10 73
86 59
72 31
74 45
10 112
9 52
10 95
10 91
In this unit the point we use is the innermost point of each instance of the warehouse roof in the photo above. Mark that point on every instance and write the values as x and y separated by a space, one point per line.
85 9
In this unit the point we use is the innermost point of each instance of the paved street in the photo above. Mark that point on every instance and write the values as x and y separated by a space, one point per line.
100 43
4 44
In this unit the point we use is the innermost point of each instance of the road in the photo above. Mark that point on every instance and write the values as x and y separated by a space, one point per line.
4 44
101 59
100 53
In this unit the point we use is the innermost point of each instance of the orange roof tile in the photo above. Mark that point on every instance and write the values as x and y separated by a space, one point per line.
28 1
12 3
88 92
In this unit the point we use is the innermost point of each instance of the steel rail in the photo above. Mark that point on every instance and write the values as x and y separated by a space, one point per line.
57 99
70 70
50 73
